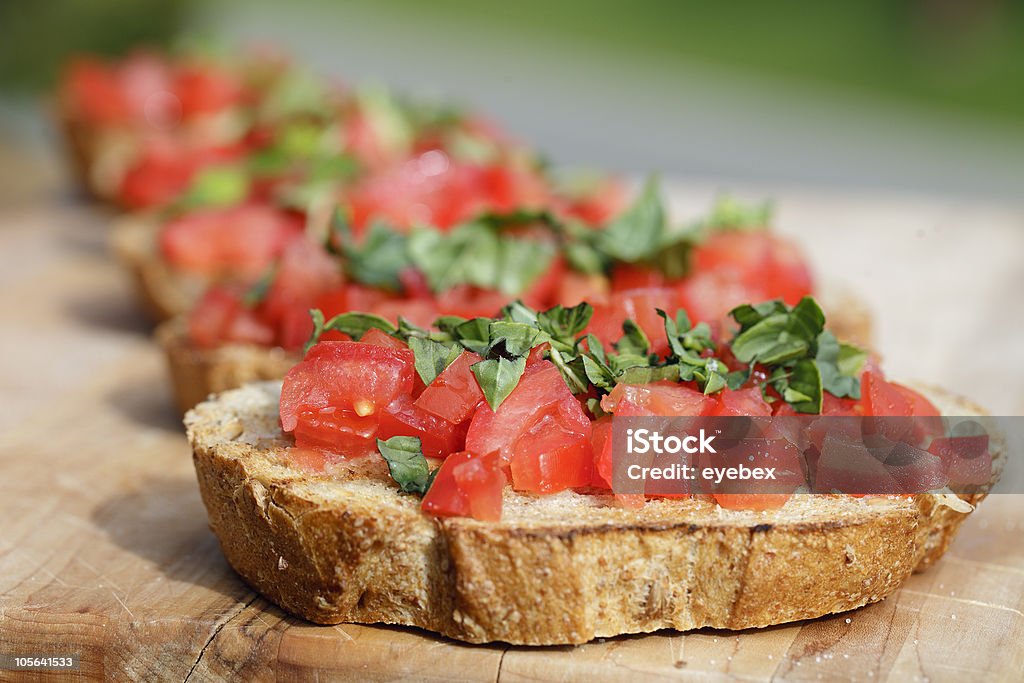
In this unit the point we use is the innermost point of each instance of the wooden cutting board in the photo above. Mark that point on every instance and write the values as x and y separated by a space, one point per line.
105 552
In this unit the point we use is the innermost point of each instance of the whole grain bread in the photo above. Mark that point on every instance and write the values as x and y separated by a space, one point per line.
343 545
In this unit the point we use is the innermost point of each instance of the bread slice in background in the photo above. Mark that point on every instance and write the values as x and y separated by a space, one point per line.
346 546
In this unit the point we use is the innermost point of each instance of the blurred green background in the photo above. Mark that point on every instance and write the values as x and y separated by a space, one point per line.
917 95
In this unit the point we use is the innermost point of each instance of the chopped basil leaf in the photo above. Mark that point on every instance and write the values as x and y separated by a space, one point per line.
432 357
633 340
257 293
406 463
497 377
378 259
355 325
637 232
217 186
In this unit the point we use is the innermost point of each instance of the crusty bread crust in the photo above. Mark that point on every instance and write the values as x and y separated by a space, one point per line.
196 373
345 546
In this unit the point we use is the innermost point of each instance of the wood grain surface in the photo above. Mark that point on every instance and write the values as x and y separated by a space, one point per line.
105 552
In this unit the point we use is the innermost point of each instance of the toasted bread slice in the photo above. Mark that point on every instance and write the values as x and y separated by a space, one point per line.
197 373
346 546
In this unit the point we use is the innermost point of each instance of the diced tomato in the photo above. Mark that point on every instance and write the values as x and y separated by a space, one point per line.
639 305
439 438
541 393
239 241
91 88
919 405
468 301
541 294
629 276
382 338
466 485
879 397
537 353
761 259
551 457
204 89
664 398
163 170
578 287
454 394
601 445
304 273
597 205
333 430
742 403
220 316
966 459
350 377
736 267
433 189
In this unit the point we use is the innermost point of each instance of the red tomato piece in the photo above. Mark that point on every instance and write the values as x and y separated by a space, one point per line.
439 438
601 445
382 338
760 259
639 305
468 301
351 377
657 398
628 276
203 89
454 394
466 485
541 392
742 403
333 430
239 241
220 316
551 457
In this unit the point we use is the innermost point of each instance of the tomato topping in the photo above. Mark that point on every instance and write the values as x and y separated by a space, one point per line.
467 485
541 424
438 437
658 398
239 241
628 276
336 431
221 315
454 394
638 305
203 89
432 189
304 273
468 301
338 382
164 169
382 338
742 403
551 456
733 268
